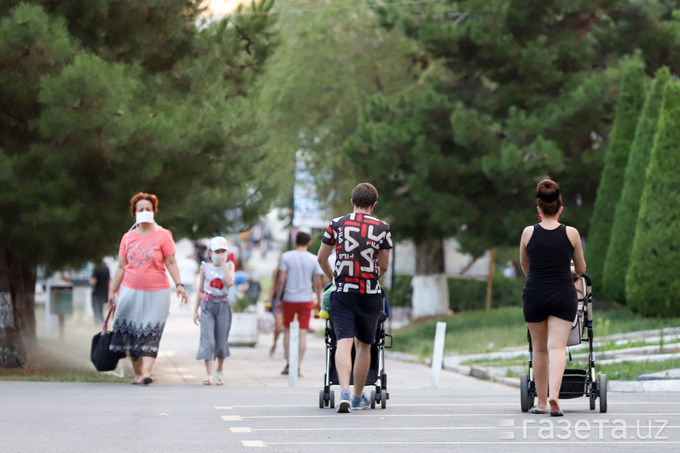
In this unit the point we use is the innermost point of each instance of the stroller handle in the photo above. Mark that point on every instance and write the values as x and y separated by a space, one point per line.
587 277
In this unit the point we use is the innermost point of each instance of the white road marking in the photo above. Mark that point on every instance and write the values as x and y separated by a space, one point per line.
231 418
253 443
240 429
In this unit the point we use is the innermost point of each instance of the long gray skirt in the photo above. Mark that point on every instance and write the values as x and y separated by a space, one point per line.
139 321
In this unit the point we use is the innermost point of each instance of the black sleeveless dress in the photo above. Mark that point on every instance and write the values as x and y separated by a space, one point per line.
549 288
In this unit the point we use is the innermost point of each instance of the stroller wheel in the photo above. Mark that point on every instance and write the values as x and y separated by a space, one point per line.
383 398
322 401
603 393
332 398
526 400
592 395
372 399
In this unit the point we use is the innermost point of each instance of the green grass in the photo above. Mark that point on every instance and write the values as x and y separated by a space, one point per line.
629 371
622 371
491 331
466 333
61 360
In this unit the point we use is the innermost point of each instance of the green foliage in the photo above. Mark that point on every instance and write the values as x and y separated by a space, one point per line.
105 99
465 294
626 214
628 108
329 61
652 286
509 96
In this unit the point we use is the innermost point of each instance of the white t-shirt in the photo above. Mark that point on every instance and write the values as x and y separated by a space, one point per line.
187 270
300 267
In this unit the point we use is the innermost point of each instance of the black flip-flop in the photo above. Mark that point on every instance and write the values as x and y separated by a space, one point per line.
556 413
147 380
534 410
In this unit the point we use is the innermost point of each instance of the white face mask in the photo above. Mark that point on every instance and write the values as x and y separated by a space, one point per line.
144 217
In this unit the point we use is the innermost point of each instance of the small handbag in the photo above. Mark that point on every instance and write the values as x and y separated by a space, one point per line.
576 333
102 358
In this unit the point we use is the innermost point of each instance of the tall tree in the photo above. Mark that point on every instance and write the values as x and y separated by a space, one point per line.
628 207
331 58
103 99
652 285
515 92
628 108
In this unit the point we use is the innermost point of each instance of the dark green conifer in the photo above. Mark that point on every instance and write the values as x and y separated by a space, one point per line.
628 108
625 218
652 283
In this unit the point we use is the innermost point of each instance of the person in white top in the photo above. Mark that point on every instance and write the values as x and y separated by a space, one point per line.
300 274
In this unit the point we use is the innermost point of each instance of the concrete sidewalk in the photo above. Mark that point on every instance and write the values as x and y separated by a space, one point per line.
253 366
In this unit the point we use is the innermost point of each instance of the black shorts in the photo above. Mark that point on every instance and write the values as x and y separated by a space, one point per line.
355 315
539 304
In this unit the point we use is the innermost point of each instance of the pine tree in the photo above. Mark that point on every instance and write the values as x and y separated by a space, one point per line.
652 284
101 100
626 214
628 108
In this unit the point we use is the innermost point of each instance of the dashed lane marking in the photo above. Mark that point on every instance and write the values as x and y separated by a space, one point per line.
253 443
240 429
231 418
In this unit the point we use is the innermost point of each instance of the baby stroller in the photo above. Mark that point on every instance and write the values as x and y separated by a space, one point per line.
576 382
376 371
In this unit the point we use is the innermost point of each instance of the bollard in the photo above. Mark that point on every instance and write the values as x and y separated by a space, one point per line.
293 350
438 353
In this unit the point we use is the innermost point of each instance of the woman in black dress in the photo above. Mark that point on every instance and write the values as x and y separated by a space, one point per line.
546 253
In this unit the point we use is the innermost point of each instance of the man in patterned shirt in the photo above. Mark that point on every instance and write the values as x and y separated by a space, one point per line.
362 246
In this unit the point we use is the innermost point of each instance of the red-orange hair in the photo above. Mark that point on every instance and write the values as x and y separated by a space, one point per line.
144 196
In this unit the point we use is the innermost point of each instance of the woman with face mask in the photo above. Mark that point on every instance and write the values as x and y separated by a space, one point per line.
213 309
143 300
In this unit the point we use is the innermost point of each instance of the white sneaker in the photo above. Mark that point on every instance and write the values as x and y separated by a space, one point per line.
218 379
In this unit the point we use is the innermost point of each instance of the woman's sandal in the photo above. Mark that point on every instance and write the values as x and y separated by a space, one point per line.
555 410
135 381
146 380
208 380
536 410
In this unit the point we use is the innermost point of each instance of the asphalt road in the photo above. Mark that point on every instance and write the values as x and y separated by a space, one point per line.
66 417
257 409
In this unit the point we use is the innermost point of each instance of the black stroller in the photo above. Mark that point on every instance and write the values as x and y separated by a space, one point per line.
376 371
576 382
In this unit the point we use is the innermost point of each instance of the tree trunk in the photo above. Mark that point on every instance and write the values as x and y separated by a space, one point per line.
12 350
430 286
22 286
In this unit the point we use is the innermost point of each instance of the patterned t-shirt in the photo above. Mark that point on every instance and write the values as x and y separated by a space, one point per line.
357 239
145 269
213 283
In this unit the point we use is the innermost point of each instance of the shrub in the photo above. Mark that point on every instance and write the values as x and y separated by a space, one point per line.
465 294
626 214
628 107
652 284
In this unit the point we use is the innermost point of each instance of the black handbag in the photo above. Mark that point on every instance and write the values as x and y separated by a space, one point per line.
102 358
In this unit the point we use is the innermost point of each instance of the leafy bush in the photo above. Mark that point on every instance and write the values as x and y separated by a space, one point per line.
465 294
471 294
